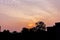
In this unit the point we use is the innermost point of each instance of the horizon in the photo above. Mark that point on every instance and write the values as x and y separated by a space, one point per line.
16 14
30 28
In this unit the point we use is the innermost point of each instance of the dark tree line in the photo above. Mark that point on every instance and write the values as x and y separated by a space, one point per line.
39 32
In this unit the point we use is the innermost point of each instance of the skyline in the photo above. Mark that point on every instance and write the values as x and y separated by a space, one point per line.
23 13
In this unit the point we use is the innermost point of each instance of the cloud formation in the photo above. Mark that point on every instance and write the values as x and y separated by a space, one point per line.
29 11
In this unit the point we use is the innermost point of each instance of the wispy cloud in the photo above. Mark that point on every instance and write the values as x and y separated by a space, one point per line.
30 10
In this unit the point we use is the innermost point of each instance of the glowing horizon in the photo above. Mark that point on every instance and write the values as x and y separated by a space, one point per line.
16 14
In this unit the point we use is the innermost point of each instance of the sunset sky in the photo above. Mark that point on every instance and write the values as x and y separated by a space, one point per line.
16 14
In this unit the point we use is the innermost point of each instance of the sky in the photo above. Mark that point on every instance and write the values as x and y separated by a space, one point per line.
16 14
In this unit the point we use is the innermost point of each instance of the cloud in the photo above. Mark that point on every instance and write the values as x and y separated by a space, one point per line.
29 10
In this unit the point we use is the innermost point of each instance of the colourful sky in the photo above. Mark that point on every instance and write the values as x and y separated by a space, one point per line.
16 14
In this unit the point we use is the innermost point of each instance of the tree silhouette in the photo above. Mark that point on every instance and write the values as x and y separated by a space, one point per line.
40 26
25 30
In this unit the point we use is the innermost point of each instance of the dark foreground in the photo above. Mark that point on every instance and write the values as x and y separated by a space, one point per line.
53 33
25 35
